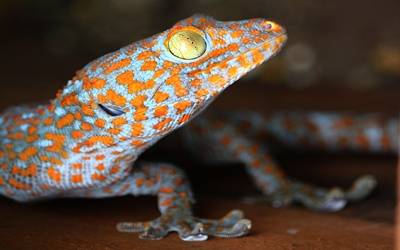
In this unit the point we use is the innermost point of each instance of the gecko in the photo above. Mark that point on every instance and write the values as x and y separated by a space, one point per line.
86 141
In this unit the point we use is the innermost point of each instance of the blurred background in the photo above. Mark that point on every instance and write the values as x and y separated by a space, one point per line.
353 45
341 55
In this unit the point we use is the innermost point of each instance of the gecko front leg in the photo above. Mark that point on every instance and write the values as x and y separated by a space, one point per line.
174 201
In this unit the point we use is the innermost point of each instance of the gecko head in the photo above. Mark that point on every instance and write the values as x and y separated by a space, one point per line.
155 85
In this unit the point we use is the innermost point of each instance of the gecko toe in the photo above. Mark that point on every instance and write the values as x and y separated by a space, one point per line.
189 228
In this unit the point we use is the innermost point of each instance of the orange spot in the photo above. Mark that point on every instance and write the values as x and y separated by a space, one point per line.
26 172
139 182
158 73
78 116
138 101
96 83
86 126
76 165
106 140
140 114
161 111
119 121
258 57
182 106
50 159
149 65
77 178
125 77
139 86
55 137
232 72
65 121
100 157
117 65
76 134
195 82
243 61
87 110
54 174
176 82
184 119
166 190
69 100
216 79
245 40
18 185
167 202
113 97
237 33
137 129
100 123
27 153
114 131
98 177
58 141
201 93
161 125
137 143
16 136
160 96
114 170
3 166
144 55
100 167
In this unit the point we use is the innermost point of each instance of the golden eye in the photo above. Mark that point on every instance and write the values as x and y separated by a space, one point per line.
187 44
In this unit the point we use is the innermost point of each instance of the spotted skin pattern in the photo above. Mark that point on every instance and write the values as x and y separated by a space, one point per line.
241 137
85 142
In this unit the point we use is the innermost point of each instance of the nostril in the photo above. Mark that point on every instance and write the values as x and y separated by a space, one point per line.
267 24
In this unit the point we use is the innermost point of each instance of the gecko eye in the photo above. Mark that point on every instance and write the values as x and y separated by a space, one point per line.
187 44
111 110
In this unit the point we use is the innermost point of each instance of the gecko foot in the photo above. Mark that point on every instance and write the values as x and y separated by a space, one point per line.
188 227
361 188
316 198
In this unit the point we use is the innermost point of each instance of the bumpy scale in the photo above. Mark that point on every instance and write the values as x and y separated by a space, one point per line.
85 142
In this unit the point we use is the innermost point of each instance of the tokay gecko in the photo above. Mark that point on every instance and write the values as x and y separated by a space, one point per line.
85 141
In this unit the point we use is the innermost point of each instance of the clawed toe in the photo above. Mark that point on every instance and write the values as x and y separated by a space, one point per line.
361 188
197 234
335 200
189 228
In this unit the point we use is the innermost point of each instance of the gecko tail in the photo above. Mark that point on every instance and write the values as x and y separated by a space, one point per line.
332 131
